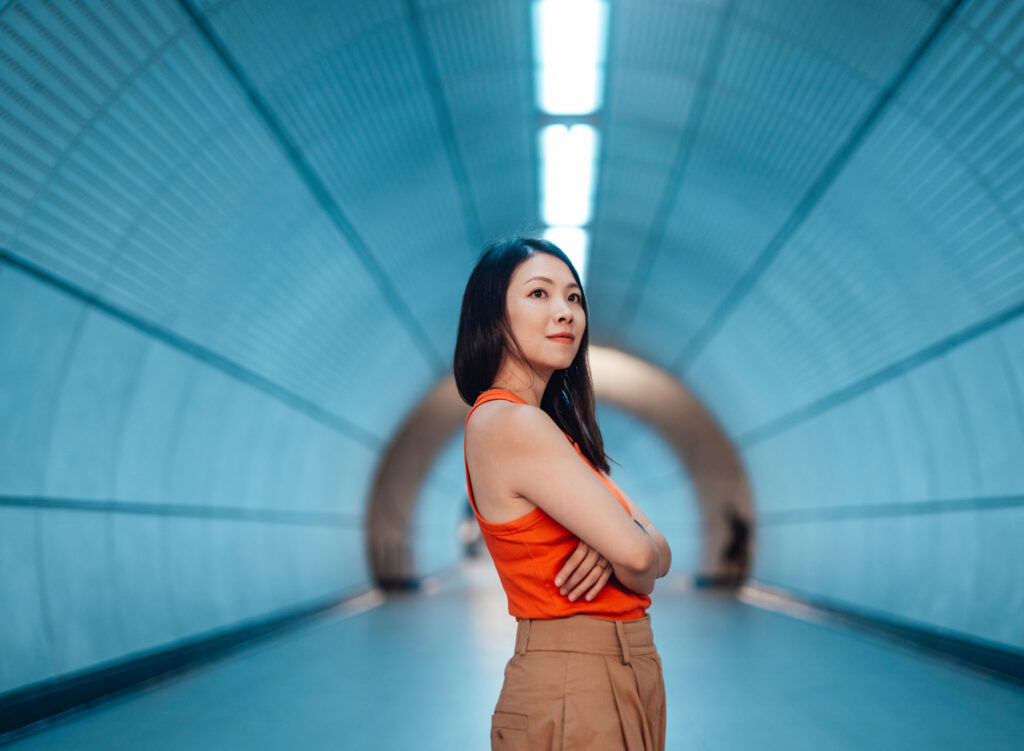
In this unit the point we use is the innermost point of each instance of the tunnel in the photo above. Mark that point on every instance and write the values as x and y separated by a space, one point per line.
234 237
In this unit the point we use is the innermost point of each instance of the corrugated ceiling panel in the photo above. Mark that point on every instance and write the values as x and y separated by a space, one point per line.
782 104
484 59
656 51
366 119
152 184
911 245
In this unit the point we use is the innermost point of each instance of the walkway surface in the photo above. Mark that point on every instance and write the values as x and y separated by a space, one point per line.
422 671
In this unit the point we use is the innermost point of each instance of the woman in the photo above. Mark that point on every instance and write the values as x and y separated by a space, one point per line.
576 557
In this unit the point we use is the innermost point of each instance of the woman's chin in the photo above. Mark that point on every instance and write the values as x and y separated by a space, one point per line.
560 363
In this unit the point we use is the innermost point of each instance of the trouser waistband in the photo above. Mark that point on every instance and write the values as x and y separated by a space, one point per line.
586 633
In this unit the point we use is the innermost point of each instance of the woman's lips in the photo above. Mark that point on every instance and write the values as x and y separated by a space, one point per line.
562 338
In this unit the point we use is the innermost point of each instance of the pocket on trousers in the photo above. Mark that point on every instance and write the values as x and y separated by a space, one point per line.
508 731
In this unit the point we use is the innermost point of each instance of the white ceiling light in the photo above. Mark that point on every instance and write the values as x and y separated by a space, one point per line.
573 241
567 173
569 50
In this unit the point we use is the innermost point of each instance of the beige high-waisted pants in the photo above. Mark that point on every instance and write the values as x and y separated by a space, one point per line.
581 683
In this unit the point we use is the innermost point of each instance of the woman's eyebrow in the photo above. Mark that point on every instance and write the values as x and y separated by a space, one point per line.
545 279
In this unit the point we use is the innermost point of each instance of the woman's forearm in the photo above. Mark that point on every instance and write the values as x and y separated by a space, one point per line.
640 576
660 544
664 553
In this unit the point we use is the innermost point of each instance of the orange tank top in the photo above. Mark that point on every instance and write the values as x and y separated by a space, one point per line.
529 552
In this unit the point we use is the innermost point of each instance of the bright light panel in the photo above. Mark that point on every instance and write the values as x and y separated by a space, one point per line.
567 173
574 241
569 50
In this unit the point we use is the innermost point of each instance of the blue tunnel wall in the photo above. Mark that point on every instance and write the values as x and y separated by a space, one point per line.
150 497
233 238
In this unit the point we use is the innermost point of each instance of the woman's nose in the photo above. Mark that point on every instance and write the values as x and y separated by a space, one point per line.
564 313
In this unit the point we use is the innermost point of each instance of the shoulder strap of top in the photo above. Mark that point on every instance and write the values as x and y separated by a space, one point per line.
495 394
492 395
504 394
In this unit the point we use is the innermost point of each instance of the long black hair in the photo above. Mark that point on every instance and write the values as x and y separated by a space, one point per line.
485 337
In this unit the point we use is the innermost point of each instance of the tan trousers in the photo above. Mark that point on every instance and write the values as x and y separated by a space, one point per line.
582 683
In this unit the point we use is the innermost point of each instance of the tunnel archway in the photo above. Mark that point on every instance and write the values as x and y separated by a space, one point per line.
647 392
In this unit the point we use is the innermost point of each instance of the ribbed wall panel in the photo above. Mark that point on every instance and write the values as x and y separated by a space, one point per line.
148 497
927 509
441 506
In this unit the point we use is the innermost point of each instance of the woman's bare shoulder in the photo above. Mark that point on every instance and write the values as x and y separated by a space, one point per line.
499 422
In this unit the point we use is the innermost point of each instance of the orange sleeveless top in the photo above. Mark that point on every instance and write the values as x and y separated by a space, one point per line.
529 552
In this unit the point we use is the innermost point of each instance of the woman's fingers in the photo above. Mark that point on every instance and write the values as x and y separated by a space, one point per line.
572 562
588 582
601 569
605 576
584 574
582 570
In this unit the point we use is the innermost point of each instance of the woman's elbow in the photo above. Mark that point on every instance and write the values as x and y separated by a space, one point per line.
643 560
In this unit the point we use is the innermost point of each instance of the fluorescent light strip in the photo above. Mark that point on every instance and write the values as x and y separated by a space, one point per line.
570 41
574 241
567 167
570 38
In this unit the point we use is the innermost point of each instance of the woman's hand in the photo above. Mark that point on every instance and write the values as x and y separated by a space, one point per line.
585 571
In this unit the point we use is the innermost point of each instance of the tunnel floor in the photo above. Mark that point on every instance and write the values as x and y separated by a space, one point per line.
423 671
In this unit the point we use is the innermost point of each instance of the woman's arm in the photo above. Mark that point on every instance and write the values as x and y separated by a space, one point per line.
586 571
664 553
642 581
521 447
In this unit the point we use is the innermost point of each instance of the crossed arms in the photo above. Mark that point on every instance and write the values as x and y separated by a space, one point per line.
539 464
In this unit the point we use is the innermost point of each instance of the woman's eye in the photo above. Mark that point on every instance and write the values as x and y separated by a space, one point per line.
540 292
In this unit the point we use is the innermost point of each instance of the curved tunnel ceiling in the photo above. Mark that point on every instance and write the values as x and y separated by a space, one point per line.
774 188
234 236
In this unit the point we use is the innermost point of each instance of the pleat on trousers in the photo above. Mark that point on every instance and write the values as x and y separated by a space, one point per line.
581 683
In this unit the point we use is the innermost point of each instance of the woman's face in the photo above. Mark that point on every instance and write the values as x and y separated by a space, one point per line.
545 311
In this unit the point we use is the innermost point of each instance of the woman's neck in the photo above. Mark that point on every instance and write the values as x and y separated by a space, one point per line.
522 381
